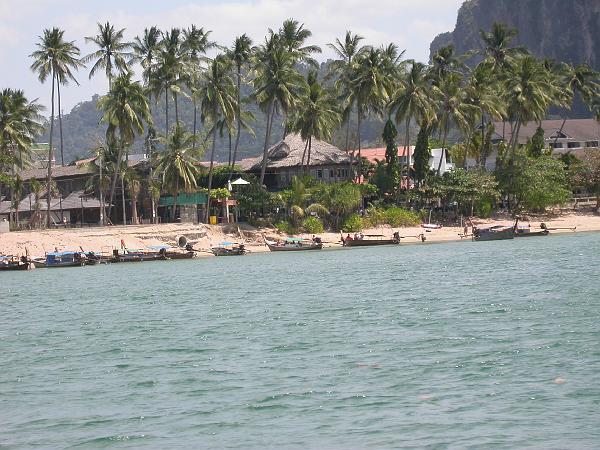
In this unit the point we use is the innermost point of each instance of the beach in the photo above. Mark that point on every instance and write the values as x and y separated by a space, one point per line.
97 239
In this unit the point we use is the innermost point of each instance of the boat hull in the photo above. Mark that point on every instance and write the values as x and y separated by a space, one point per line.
492 235
228 251
283 248
369 242
520 234
11 267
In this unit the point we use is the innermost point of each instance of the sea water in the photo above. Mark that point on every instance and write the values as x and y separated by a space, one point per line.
458 345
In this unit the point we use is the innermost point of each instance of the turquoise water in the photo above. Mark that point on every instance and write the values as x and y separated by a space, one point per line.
459 345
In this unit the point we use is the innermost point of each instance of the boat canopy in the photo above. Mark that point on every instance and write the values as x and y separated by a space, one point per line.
295 239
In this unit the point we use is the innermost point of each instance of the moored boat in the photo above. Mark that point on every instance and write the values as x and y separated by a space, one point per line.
294 244
229 249
10 263
495 233
60 259
367 240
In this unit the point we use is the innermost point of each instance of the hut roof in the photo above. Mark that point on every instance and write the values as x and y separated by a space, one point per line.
573 129
57 172
288 153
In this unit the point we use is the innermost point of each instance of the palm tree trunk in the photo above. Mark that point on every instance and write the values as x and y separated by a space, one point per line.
175 198
49 177
176 108
113 183
210 169
166 118
230 149
439 169
195 122
407 151
267 137
304 156
559 131
60 129
134 213
239 122
359 148
123 200
102 212
309 151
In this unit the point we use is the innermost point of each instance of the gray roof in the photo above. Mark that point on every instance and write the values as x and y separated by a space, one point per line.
289 151
577 130
72 201
57 172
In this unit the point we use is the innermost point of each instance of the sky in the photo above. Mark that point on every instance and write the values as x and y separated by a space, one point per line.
411 24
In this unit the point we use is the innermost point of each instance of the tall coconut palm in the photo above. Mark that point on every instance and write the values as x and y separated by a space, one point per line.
453 107
240 53
371 86
112 53
413 99
194 46
217 102
55 58
444 62
125 110
134 185
315 115
293 37
497 50
145 49
341 69
277 85
177 166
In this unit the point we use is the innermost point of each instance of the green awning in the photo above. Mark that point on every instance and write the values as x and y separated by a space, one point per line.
196 198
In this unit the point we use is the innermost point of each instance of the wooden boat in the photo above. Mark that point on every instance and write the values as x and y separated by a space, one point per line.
10 263
368 240
60 259
294 245
167 252
229 249
134 256
526 232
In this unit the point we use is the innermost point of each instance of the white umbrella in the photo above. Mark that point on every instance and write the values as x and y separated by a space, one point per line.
240 181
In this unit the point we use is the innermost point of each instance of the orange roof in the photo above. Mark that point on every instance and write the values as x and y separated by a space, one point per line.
378 154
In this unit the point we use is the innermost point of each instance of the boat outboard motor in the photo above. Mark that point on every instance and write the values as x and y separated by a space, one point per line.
182 241
189 247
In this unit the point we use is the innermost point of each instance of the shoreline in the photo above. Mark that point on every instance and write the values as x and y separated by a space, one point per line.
97 239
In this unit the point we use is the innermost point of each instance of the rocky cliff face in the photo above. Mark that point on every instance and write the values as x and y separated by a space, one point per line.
564 30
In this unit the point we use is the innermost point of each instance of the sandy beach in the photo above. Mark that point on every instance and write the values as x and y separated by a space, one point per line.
38 242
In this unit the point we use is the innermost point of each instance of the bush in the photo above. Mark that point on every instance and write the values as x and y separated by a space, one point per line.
285 227
312 225
483 208
353 223
375 216
400 217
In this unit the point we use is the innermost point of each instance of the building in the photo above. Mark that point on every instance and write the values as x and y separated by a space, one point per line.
284 161
374 155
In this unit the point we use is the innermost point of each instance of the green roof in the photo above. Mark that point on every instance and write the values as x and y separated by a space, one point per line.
196 198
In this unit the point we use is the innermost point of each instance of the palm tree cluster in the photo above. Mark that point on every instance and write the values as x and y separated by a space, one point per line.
508 84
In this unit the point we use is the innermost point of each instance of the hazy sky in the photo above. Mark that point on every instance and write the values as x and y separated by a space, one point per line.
411 24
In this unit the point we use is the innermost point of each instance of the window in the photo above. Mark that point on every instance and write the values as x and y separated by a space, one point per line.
556 145
592 144
331 173
319 173
574 145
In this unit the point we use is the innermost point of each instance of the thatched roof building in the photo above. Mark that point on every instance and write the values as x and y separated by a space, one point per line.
284 160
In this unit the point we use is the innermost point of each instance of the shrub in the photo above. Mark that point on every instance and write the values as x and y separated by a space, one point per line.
400 217
312 225
375 216
353 223
285 227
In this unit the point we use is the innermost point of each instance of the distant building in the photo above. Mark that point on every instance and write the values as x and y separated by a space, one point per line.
38 156
373 155
284 161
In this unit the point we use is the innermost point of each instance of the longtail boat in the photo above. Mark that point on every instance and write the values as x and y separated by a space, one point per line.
10 262
60 259
367 240
496 232
229 249
294 244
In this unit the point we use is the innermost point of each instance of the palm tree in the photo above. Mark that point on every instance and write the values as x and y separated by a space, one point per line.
444 62
293 37
112 53
497 51
57 58
125 110
178 165
194 46
341 68
134 185
240 54
145 50
276 85
453 107
20 124
316 115
217 102
413 99
371 86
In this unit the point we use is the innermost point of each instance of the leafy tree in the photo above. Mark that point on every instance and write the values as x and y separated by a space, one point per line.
339 198
588 174
422 155
293 36
536 145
